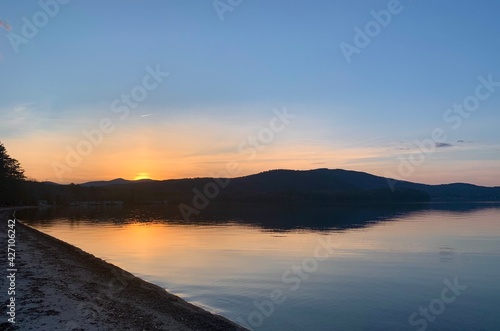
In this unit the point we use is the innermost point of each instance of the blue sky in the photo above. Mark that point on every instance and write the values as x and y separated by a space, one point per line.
226 77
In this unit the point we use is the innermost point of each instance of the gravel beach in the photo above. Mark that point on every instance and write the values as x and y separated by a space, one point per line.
60 287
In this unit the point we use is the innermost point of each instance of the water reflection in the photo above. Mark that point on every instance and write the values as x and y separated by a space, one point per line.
385 262
275 217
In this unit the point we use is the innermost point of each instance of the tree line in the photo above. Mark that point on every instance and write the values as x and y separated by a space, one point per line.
12 179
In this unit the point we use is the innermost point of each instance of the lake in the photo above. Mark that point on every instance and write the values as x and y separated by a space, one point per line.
431 267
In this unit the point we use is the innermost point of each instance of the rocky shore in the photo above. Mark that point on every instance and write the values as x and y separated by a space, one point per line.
60 287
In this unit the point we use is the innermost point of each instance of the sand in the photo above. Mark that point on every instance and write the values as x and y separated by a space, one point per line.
60 287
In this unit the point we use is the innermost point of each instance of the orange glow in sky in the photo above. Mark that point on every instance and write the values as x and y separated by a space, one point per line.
191 147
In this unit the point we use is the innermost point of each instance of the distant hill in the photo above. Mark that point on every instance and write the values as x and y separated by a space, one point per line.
339 180
320 185
117 181
311 185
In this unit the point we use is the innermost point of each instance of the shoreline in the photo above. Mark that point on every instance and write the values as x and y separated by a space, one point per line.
61 287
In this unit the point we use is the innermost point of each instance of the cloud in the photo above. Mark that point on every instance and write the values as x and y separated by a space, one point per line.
15 116
443 145
25 119
5 25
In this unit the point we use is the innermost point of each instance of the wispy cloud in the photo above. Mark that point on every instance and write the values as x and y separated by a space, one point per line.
24 119
5 25
462 141
15 116
443 145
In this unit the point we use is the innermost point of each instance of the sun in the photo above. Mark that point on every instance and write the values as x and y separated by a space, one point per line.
142 175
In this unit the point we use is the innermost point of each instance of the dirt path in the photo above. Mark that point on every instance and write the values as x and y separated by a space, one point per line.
60 287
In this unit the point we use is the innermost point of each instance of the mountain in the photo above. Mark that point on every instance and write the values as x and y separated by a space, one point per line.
50 183
339 180
335 186
117 181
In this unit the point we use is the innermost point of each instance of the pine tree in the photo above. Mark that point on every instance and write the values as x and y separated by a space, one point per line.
11 178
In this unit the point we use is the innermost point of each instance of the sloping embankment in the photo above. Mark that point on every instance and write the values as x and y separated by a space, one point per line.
61 287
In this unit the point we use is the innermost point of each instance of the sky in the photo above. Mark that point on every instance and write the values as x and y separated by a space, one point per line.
96 90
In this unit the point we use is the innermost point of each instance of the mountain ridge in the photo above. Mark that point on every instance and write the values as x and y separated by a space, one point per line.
119 180
315 184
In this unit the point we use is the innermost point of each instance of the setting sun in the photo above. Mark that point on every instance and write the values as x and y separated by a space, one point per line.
142 175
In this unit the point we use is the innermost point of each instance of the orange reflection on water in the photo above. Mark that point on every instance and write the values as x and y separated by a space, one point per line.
198 253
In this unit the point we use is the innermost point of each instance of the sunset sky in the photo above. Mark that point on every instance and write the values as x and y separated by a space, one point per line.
172 89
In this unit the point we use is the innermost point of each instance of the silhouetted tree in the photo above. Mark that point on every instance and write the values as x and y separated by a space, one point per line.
11 178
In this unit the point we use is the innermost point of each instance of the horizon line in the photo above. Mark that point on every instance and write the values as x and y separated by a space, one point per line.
261 172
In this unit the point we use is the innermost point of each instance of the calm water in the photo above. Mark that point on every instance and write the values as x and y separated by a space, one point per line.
433 268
